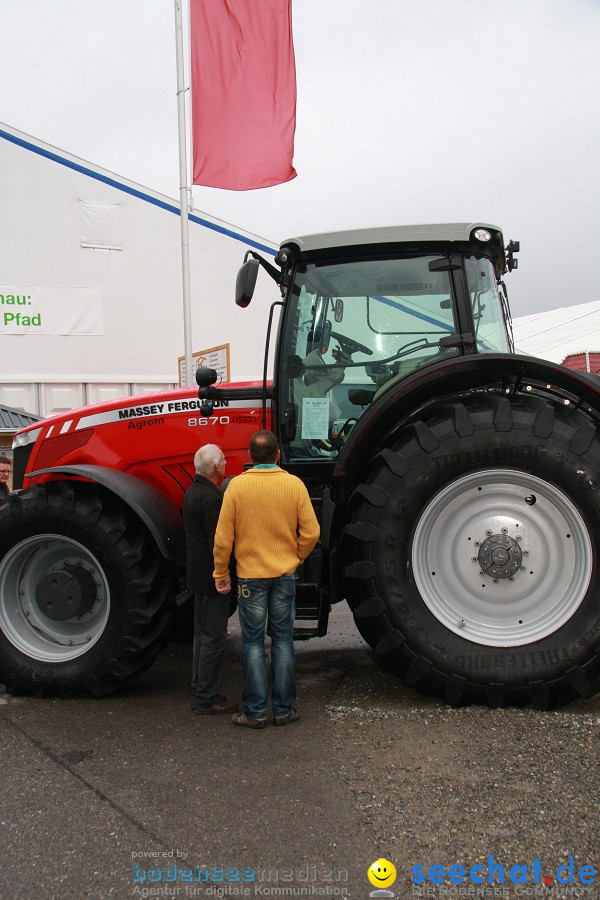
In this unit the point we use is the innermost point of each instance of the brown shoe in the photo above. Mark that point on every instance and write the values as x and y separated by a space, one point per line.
240 718
221 706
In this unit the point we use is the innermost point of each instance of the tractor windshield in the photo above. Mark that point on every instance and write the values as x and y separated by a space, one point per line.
351 330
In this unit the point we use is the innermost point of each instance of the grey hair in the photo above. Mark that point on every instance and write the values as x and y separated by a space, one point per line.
207 458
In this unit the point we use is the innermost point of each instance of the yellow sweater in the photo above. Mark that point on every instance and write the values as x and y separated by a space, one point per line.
269 516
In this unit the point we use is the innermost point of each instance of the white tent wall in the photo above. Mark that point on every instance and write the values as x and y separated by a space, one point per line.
52 203
558 333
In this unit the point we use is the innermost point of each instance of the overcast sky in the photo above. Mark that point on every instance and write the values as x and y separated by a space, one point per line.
408 112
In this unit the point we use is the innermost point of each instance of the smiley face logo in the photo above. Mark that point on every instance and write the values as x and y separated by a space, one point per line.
381 873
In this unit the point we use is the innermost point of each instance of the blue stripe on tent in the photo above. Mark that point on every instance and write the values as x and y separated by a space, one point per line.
413 312
443 325
132 191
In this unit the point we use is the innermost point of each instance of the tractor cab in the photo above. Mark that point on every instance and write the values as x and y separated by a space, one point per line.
365 309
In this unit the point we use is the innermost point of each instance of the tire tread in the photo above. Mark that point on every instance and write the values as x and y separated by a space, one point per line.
146 601
375 501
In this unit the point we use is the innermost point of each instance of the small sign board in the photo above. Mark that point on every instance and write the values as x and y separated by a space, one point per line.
216 358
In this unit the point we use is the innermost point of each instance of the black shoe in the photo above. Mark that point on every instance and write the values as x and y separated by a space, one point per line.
221 705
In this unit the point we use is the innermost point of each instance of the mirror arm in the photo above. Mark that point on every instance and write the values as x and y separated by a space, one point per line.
278 277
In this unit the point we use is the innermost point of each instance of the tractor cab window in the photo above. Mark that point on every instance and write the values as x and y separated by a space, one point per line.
490 313
351 331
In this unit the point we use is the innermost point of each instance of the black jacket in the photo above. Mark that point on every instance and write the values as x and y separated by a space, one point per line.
201 508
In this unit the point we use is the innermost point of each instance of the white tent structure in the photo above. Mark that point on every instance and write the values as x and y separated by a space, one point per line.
91 301
561 333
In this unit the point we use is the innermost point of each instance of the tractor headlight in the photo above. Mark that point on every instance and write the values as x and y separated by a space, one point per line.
482 234
26 437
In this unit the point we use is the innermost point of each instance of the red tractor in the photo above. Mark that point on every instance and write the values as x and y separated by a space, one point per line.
457 484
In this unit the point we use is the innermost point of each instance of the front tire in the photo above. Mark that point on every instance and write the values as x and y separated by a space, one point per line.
471 553
86 600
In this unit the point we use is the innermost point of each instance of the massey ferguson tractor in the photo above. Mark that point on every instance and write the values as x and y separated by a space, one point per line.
457 484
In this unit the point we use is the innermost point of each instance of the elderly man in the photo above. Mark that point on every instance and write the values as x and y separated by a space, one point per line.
268 513
201 507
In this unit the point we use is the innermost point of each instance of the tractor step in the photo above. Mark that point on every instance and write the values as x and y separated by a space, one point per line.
304 634
308 600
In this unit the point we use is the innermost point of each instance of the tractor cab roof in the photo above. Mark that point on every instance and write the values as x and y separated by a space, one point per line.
478 238
396 234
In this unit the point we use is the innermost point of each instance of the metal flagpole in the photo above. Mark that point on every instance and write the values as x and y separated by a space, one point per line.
183 198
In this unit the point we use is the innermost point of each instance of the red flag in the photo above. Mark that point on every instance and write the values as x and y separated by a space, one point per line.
243 93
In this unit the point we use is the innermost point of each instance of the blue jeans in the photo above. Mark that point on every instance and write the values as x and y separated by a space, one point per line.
257 598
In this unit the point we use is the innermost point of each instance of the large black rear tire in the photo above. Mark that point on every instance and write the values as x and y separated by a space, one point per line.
86 599
471 553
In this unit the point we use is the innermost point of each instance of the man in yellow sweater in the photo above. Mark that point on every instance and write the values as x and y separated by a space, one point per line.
268 519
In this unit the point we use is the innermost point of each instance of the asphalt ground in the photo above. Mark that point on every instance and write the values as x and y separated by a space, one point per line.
133 795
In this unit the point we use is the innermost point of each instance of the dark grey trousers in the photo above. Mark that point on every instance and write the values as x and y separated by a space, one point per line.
211 612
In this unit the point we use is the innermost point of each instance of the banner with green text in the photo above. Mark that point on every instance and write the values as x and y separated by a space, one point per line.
50 309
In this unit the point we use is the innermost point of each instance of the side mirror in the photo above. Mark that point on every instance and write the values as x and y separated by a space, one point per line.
318 338
246 282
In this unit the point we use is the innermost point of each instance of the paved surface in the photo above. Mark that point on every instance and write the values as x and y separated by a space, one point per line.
91 788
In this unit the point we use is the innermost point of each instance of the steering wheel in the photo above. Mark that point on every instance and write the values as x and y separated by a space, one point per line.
338 438
348 346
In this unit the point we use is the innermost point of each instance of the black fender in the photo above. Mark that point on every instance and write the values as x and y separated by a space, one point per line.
457 375
162 519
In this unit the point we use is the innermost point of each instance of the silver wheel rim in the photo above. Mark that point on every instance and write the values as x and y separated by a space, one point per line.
537 559
24 622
